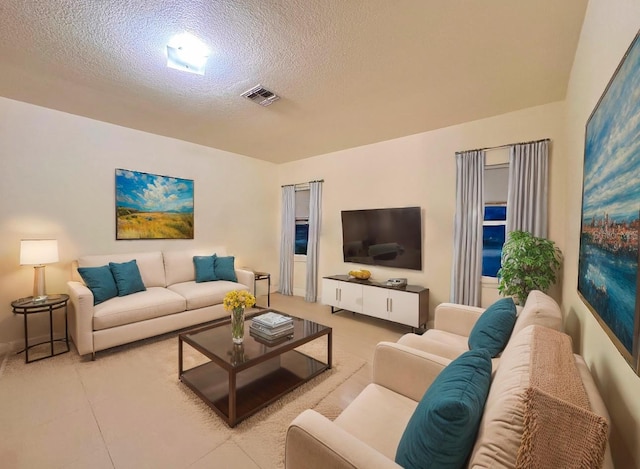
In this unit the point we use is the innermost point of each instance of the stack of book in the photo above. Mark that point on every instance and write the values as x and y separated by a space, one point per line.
271 326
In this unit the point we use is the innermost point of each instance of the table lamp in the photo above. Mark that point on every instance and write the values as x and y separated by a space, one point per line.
38 252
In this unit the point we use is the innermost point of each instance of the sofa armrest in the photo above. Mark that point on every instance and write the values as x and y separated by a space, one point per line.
81 316
457 319
315 442
246 278
406 370
597 404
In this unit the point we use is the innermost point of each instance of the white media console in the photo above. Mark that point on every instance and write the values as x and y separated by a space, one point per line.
407 305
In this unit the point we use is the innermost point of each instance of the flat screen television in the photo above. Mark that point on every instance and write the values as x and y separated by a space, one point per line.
390 237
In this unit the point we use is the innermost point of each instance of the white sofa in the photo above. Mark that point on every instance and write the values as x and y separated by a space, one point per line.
367 433
172 299
538 355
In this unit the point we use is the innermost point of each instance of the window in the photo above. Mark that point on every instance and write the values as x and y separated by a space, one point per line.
494 226
494 229
302 237
302 220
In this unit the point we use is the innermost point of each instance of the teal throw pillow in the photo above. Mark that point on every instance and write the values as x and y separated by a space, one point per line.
100 281
127 276
493 328
442 430
225 269
204 266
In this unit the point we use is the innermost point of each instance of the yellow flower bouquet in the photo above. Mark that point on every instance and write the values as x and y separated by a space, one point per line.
236 301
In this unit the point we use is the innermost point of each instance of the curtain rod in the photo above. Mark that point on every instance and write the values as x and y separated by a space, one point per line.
302 183
506 145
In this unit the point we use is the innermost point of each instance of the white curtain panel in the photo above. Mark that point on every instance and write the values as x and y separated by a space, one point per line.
528 188
287 240
315 215
466 273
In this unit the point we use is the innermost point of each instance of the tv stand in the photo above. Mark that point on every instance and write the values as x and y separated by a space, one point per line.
408 305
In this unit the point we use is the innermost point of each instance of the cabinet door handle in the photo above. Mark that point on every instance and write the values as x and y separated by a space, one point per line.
336 294
390 305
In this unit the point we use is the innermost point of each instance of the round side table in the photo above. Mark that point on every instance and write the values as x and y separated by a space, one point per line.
27 306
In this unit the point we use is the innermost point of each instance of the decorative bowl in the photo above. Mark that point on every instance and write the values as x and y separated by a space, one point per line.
360 274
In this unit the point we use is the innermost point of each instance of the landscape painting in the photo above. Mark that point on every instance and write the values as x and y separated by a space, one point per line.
608 263
149 206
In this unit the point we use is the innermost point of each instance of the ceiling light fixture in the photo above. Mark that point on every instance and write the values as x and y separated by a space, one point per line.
187 53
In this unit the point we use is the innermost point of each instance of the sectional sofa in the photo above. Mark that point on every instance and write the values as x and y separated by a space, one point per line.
539 406
171 299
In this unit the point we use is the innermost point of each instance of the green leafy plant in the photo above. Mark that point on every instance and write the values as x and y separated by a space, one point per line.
528 263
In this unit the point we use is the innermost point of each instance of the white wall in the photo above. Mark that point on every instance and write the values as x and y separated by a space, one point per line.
57 178
419 170
608 29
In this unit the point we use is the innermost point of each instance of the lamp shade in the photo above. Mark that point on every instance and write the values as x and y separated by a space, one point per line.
38 251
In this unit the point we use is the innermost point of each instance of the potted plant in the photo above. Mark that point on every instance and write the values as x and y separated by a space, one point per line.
528 263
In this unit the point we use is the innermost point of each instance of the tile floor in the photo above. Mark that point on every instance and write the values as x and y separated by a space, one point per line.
49 413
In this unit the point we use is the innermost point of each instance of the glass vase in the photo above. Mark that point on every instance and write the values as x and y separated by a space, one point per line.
237 325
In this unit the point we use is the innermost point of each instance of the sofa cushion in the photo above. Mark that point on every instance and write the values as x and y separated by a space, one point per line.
179 267
152 303
100 281
377 417
225 268
536 357
442 430
442 343
150 264
204 266
539 309
493 328
501 427
200 295
127 277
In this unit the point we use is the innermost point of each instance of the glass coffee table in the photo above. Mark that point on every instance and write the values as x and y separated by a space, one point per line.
240 379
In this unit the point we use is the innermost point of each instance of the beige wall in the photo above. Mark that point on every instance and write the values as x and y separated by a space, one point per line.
57 179
608 30
419 170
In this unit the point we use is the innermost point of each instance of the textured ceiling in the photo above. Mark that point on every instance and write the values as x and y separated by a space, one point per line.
349 72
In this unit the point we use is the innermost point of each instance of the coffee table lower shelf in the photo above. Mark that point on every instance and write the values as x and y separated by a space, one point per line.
237 395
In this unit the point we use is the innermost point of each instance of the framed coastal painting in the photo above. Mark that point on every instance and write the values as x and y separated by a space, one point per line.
150 206
608 263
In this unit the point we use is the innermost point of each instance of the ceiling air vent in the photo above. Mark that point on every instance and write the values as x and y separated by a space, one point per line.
261 95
